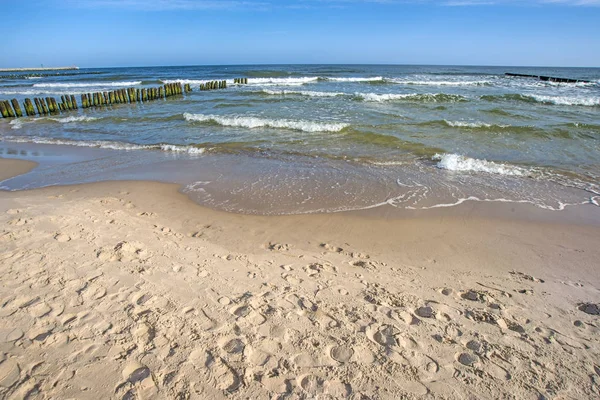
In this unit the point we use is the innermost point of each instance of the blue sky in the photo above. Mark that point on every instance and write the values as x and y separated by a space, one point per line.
103 33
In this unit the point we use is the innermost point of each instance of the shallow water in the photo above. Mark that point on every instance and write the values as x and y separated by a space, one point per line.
323 138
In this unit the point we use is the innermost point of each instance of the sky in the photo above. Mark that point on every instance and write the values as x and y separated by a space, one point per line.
110 33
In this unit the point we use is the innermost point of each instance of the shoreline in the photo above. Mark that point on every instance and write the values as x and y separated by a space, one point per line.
129 288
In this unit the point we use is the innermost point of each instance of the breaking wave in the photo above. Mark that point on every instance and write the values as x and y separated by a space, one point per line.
256 122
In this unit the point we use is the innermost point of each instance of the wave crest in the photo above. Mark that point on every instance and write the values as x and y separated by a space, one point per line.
457 162
256 122
87 84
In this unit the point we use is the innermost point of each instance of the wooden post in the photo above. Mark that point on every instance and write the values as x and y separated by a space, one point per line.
52 106
44 106
29 107
124 94
144 95
26 108
84 103
73 102
17 108
9 110
49 105
67 102
3 109
62 99
160 92
138 95
38 106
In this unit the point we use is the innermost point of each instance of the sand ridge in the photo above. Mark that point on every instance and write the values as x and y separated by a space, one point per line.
104 296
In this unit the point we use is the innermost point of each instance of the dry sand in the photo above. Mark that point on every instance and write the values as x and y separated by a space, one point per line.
128 290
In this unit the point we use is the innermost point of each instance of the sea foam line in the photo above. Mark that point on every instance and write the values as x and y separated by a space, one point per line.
256 122
87 84
568 100
419 97
103 144
303 93
475 124
441 83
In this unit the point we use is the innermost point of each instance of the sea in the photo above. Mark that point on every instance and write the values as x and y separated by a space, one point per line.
323 138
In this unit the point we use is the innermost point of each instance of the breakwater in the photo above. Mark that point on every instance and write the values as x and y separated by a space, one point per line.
49 105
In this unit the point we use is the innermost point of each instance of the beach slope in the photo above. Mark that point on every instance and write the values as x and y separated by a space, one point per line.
130 290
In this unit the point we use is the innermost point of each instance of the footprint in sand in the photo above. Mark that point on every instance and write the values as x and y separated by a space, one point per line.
523 276
233 346
384 335
62 237
278 246
221 375
331 248
9 373
342 353
313 385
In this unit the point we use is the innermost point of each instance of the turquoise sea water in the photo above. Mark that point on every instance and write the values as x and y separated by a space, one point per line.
318 138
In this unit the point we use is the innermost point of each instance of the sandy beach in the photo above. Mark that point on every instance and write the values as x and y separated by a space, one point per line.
130 290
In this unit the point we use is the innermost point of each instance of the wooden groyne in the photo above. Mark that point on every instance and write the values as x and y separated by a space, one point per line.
241 81
548 78
213 85
49 105
38 69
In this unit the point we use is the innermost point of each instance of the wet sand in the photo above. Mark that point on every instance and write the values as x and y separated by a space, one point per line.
131 290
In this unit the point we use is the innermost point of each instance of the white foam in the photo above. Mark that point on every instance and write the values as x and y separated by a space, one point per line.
42 91
475 124
16 123
372 79
456 162
441 83
283 81
568 100
87 84
425 97
256 122
80 118
190 81
386 96
103 144
303 93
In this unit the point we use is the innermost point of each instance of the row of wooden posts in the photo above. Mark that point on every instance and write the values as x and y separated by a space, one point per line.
49 105
213 85
241 81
